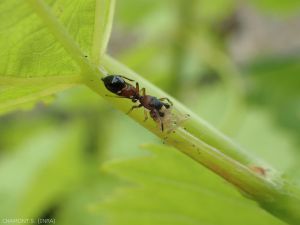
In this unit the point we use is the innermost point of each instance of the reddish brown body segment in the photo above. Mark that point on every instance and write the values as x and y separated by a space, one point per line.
130 92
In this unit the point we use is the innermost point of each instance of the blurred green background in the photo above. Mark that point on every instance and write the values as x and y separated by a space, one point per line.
234 63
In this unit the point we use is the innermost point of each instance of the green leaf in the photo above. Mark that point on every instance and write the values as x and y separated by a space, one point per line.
168 188
25 96
38 59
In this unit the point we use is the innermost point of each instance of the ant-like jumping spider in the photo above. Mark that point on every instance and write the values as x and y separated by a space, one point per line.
160 109
157 106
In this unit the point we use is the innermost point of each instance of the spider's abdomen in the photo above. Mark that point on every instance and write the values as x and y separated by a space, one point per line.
114 83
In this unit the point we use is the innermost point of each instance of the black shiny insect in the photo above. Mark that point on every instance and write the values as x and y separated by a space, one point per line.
117 85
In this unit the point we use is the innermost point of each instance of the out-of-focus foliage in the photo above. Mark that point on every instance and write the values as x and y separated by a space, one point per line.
275 83
253 119
51 155
286 7
39 171
172 189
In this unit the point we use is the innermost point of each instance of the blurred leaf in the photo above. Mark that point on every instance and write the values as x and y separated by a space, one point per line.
24 97
213 11
78 99
275 84
255 130
170 188
13 126
259 133
135 11
122 130
287 6
210 102
38 173
81 207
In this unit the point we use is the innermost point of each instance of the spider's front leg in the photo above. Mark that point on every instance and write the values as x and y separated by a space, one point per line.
134 107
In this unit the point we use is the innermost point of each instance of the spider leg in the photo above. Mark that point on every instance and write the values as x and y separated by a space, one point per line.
137 87
146 115
125 78
134 107
168 100
157 116
113 96
143 90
